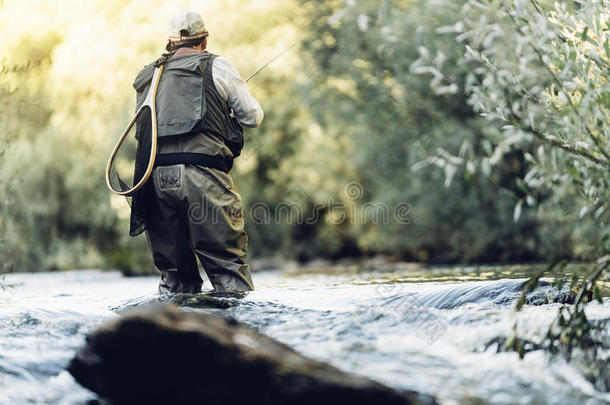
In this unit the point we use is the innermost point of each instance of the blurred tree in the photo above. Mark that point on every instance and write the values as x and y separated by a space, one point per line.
351 123
65 113
365 63
538 72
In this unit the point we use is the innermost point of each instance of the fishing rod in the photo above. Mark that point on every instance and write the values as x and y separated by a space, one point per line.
256 72
118 186
274 58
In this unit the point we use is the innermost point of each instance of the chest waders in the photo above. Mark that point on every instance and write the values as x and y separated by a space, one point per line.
189 212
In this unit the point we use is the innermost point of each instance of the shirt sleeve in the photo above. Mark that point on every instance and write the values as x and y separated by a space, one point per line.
232 88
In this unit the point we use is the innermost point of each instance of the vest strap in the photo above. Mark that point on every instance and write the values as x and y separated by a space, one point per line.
214 162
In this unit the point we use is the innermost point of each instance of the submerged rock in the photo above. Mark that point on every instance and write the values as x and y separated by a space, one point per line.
202 300
546 293
160 354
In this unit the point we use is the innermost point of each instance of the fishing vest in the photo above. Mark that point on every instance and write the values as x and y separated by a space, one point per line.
187 100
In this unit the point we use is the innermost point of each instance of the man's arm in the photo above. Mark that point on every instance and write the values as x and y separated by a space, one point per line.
232 88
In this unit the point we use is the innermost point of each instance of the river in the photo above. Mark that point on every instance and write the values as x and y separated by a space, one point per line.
420 329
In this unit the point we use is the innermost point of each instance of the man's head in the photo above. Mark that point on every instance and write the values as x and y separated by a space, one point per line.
186 28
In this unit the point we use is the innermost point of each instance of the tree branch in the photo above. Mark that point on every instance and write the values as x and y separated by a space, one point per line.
562 88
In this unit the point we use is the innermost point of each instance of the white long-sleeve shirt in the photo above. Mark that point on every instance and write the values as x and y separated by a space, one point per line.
232 88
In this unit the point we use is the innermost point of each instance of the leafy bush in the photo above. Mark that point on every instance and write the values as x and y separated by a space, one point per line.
354 107
538 72
369 65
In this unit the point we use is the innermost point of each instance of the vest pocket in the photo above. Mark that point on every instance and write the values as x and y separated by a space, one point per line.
179 102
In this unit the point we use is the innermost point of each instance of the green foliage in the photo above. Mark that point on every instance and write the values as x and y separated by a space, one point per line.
572 329
368 90
14 102
571 334
538 72
353 107
66 95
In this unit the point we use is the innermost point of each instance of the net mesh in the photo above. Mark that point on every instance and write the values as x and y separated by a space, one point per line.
129 167
139 207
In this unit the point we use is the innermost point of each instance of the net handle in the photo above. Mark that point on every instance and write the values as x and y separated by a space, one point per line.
149 102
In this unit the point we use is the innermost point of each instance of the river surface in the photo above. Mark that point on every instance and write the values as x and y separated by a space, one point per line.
424 330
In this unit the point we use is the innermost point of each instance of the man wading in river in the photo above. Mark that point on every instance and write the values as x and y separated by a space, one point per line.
192 208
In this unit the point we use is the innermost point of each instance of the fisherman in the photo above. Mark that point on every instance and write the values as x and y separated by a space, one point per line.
193 208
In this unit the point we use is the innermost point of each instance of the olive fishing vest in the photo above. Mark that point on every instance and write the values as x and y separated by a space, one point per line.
187 100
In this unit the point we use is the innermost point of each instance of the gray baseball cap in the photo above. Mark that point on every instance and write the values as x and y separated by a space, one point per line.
189 21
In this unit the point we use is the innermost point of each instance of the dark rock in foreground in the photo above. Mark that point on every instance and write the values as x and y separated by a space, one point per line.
162 355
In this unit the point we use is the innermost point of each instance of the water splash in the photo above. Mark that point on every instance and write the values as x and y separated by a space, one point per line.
372 324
